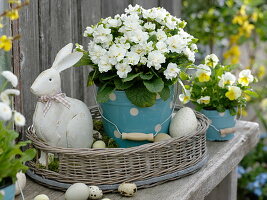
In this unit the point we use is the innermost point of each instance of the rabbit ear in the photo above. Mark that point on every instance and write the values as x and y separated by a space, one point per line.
62 54
68 61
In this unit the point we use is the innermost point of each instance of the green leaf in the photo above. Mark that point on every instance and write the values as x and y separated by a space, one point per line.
85 60
105 76
154 85
165 93
131 77
251 93
103 93
91 77
146 76
28 155
140 96
120 85
152 38
184 76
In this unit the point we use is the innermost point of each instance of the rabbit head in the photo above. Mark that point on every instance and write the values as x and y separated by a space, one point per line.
49 82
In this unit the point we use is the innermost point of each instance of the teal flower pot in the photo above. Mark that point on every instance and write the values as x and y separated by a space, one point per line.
219 121
132 119
9 192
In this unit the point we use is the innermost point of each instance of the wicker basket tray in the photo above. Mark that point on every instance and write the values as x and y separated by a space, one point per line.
146 165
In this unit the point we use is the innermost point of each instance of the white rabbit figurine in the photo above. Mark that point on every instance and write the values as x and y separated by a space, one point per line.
59 120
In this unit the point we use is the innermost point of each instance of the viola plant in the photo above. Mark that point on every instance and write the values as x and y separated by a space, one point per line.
215 87
12 158
142 52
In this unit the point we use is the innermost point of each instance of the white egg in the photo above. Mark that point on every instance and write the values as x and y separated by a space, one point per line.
41 197
99 144
21 182
127 189
161 136
106 199
77 191
95 192
183 123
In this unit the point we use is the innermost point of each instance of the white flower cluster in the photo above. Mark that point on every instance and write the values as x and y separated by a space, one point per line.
5 109
139 37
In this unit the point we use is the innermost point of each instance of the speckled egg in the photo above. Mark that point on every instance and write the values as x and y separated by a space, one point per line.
77 191
99 144
21 182
127 189
183 123
95 192
161 136
41 197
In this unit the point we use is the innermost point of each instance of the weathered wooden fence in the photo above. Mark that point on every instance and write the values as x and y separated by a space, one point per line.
47 25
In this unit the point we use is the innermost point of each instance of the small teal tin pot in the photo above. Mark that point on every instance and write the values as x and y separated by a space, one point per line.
220 121
9 192
132 119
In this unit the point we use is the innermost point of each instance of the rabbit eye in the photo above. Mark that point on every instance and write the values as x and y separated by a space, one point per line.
50 79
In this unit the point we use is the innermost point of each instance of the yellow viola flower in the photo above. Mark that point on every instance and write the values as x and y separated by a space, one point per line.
263 104
203 73
185 98
233 93
242 10
13 14
245 77
204 100
5 43
233 54
239 19
261 72
255 16
242 112
246 29
234 39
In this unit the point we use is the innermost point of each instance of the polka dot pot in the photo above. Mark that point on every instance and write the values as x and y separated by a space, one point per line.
220 121
132 119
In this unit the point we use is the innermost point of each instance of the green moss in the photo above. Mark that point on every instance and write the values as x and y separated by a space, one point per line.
98 126
53 166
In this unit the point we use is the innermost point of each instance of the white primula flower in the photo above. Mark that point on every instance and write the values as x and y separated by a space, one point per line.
139 49
5 98
185 97
130 23
227 79
172 71
102 35
132 58
176 43
116 53
88 31
113 22
233 93
133 9
190 54
161 35
155 59
137 36
211 60
143 60
245 77
170 22
123 69
104 65
193 47
162 47
204 100
120 40
12 78
19 119
96 52
5 112
149 26
203 73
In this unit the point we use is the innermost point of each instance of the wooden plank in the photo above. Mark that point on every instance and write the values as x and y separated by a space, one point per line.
146 3
26 60
223 158
111 8
173 6
90 14
55 31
